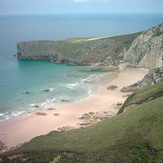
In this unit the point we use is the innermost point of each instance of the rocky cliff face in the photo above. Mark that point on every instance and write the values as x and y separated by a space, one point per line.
154 76
147 49
107 65
82 51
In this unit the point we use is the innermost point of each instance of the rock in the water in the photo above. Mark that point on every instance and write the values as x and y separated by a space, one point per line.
112 87
46 90
36 106
40 113
65 100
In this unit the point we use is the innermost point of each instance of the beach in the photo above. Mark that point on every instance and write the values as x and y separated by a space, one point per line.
22 129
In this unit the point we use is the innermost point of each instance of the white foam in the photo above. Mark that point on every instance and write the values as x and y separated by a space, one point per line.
44 103
51 89
15 114
72 86
1 114
32 104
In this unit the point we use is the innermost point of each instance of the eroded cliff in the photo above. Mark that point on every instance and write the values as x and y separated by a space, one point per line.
79 51
147 49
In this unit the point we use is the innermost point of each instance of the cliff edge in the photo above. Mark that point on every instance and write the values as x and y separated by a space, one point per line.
78 51
147 49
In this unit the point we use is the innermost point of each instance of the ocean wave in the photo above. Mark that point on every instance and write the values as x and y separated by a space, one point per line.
15 114
44 103
1 114
32 104
51 89
7 116
72 86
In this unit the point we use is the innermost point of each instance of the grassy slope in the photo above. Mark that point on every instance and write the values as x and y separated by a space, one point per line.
133 136
144 95
75 47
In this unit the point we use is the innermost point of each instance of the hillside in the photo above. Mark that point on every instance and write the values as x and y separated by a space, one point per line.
133 136
78 51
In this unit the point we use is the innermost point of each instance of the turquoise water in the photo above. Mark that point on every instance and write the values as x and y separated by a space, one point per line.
64 82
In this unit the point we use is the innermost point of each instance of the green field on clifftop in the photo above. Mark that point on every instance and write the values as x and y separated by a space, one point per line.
133 136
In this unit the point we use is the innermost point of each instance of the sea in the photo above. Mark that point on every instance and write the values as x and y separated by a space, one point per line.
65 83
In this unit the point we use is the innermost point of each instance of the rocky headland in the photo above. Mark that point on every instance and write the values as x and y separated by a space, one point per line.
143 49
101 53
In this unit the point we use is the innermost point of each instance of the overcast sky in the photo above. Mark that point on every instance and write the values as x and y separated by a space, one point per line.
79 6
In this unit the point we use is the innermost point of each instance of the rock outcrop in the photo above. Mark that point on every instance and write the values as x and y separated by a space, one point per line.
147 49
154 76
77 51
95 117
107 65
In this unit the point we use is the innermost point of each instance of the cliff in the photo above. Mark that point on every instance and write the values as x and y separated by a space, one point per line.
147 49
143 49
153 76
79 51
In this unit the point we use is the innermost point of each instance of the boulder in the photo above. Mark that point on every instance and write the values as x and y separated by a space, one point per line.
112 87
40 113
51 109
46 90
56 114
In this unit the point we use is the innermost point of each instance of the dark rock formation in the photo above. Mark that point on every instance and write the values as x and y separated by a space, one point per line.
46 90
40 113
51 109
112 87
154 76
94 117
56 114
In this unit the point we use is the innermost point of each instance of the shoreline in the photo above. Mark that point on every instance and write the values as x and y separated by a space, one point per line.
23 129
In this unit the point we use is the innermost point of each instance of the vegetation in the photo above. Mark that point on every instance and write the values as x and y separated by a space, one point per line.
94 47
133 136
144 95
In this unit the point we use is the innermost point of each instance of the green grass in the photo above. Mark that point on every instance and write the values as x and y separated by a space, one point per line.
74 48
144 95
133 136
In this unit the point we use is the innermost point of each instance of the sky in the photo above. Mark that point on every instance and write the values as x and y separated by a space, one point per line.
79 6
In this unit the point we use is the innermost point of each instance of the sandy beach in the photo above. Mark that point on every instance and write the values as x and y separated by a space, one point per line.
23 129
